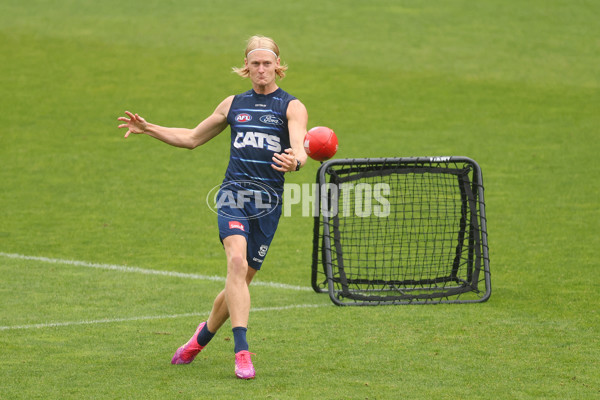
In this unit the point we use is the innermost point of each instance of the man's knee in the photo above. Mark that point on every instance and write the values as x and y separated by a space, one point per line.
237 265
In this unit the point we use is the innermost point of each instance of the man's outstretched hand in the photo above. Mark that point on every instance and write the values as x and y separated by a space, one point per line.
134 124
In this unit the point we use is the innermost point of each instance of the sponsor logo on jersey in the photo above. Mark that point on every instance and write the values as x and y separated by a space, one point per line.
260 105
271 119
243 117
257 140
236 225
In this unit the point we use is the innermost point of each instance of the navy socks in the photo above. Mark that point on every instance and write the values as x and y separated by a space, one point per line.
239 336
204 336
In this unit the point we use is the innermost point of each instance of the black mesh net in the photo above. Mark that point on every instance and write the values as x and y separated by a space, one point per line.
398 231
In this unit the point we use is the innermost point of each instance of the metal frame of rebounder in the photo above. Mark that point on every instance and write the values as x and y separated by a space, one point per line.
323 248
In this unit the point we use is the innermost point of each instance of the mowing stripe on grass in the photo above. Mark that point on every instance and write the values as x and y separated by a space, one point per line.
122 268
151 317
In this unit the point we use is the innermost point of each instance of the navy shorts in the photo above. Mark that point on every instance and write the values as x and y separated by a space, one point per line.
256 222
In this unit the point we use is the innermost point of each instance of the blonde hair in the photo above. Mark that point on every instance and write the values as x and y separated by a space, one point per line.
265 43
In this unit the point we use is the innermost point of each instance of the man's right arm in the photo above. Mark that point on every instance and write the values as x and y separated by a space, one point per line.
181 137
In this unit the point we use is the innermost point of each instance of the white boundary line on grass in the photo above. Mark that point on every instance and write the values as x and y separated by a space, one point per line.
137 270
144 318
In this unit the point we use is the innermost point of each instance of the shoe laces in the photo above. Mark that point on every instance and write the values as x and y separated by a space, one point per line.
243 359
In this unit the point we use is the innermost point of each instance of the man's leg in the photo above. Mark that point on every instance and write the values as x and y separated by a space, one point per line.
218 316
237 294
220 313
237 298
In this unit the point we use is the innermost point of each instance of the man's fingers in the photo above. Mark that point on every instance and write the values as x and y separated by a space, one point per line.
284 156
133 119
278 158
283 164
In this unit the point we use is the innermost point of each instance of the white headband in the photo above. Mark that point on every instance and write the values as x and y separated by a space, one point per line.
270 51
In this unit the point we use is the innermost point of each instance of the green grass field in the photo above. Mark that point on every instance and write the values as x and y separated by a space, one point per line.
513 85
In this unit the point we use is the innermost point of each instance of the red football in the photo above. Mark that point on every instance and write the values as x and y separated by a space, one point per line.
320 143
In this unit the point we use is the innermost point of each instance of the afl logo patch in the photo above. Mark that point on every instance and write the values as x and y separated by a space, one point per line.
271 119
243 117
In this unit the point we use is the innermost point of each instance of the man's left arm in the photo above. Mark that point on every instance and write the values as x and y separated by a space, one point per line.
297 120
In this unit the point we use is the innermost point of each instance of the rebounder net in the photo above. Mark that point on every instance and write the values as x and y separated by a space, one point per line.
401 231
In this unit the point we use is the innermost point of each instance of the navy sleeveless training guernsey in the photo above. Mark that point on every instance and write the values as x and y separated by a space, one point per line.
259 129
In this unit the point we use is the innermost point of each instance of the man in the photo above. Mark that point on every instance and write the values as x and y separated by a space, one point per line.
267 130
